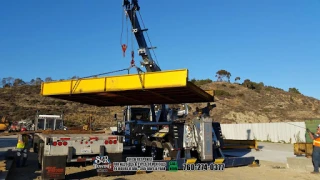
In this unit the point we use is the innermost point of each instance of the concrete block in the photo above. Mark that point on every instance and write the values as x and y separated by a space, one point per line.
300 164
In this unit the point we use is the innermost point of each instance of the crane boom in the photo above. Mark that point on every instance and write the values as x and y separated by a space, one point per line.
144 50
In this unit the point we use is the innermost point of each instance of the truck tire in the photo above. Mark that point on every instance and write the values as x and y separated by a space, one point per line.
35 144
40 155
168 151
144 146
156 150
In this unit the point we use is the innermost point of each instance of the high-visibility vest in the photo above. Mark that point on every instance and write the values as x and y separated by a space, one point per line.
316 142
20 144
22 141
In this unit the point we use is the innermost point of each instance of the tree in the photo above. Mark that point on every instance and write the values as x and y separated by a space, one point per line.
4 81
200 82
38 81
48 79
18 82
237 79
294 90
7 82
32 82
74 77
222 74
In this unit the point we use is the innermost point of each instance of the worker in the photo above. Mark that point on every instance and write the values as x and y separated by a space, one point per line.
316 149
22 149
205 112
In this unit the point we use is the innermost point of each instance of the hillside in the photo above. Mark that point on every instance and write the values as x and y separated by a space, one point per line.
235 104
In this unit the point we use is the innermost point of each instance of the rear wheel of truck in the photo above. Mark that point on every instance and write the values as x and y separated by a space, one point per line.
144 147
168 151
40 155
156 150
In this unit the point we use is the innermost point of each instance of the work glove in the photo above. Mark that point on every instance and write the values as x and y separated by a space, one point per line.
308 130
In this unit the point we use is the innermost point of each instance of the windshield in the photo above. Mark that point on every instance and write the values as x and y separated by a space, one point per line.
40 124
140 114
59 124
50 124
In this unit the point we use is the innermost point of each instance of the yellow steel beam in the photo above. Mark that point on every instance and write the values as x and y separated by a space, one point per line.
211 92
240 144
199 91
219 160
191 161
150 80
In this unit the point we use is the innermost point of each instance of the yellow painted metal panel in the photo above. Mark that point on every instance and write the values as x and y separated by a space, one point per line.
219 161
88 85
191 161
159 134
211 92
62 87
240 144
153 80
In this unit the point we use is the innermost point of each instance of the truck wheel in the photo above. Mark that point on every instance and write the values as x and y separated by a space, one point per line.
167 151
156 150
40 155
144 148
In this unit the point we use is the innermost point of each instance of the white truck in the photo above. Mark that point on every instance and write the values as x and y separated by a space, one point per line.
56 148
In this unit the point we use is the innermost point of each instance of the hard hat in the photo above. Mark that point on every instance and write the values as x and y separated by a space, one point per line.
319 126
23 129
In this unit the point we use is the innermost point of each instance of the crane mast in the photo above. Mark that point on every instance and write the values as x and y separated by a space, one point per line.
144 51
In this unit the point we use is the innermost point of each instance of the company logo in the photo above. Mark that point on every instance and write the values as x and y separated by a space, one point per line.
102 164
173 166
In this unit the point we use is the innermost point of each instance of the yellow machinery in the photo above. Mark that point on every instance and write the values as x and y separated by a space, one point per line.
4 124
89 124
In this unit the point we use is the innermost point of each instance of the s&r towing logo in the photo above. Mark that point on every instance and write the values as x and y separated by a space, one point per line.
102 164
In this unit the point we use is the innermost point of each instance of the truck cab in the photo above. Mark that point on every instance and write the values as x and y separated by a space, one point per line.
46 122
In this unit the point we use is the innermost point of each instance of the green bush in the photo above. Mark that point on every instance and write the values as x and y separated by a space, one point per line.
221 93
200 82
294 90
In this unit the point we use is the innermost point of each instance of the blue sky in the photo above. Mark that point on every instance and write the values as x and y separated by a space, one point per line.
275 42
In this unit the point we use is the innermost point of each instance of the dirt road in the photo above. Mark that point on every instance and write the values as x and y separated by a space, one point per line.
267 170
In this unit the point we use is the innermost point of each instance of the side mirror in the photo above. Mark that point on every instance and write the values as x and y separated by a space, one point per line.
115 117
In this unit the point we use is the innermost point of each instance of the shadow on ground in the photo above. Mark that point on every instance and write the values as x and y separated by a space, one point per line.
93 172
29 172
237 152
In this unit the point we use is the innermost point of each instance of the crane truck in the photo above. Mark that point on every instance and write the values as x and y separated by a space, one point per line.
161 134
164 134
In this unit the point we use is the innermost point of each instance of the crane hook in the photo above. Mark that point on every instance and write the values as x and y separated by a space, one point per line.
124 48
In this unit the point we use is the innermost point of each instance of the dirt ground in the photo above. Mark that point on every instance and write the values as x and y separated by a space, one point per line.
267 170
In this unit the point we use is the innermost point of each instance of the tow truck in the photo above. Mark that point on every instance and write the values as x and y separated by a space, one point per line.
164 134
159 134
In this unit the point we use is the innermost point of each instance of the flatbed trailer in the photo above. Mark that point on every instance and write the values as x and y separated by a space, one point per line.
55 151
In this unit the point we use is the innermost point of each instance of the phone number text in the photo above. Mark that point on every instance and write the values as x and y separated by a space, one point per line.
203 167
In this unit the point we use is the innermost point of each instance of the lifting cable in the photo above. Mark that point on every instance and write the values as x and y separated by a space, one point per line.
123 46
79 79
